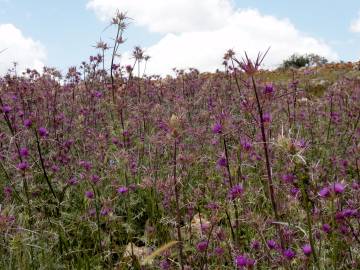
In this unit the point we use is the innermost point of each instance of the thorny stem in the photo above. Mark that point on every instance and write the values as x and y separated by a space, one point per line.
231 227
267 160
116 45
178 214
43 166
207 247
231 186
309 223
17 195
235 76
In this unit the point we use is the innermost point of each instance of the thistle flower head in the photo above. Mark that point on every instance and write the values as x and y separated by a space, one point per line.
307 249
95 179
249 66
326 228
236 191
174 125
122 190
219 251
269 89
289 254
27 123
202 246
217 128
266 117
43 132
255 244
324 192
6 109
138 53
241 261
22 166
221 162
101 45
24 152
339 188
89 194
271 244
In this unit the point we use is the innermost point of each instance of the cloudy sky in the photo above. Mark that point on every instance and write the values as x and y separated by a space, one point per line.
177 33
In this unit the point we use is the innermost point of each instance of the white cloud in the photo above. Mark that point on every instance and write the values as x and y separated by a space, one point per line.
199 38
168 16
355 25
18 48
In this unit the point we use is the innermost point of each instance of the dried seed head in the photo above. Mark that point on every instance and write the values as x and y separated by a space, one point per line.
174 124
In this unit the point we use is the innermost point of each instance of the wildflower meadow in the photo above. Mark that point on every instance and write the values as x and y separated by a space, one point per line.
108 167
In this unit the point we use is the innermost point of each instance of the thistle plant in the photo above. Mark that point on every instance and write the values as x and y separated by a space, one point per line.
239 169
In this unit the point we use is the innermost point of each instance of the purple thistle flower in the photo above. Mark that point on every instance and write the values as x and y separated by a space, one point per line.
202 246
236 191
288 178
301 143
222 162
269 89
105 211
344 229
246 145
339 188
271 244
6 109
266 117
255 245
240 261
324 192
219 251
7 191
23 166
89 194
217 128
307 249
27 123
289 254
294 191
122 190
349 212
86 165
95 179
43 132
24 152
326 228
55 168
97 94
165 264
73 181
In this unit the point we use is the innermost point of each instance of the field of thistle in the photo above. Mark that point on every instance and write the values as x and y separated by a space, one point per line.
238 169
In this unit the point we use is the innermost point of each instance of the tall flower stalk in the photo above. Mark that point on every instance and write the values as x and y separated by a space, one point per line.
175 126
251 68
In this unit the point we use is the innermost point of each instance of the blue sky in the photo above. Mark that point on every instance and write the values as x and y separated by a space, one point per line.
66 30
